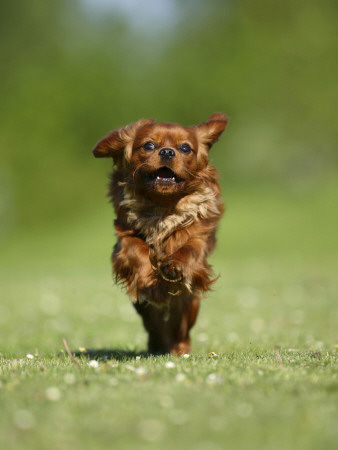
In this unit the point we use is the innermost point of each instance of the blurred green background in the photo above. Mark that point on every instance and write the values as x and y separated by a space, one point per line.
73 70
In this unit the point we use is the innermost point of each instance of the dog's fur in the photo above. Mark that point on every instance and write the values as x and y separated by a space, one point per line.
167 202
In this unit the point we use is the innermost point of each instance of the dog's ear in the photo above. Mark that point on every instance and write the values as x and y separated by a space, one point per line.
118 143
207 134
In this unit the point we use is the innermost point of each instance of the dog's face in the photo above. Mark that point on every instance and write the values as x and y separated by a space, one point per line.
162 158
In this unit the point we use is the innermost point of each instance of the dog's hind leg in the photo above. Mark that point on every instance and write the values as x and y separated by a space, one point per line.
155 322
168 327
182 320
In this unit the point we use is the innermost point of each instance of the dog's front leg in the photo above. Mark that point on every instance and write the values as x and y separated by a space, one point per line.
131 264
185 263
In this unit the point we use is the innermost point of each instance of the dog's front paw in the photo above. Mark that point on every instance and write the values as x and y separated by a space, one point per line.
170 271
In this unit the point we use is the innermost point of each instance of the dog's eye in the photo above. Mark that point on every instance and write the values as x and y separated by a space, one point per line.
149 146
185 148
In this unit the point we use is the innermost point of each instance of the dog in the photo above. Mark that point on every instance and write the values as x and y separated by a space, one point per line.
168 205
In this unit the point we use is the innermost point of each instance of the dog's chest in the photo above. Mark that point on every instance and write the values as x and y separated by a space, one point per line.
157 226
156 222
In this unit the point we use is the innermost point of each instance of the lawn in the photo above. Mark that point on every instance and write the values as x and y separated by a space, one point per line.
262 373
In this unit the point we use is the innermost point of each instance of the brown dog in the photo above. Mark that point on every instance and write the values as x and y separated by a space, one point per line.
167 202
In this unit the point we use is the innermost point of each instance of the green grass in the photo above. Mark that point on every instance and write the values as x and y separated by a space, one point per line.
271 319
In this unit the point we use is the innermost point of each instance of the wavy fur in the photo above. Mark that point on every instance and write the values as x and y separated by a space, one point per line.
168 206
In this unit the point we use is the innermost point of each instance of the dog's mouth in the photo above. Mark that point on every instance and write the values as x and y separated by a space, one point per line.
164 176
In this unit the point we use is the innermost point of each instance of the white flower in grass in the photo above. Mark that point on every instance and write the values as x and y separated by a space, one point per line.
170 365
140 371
29 356
93 363
83 349
186 356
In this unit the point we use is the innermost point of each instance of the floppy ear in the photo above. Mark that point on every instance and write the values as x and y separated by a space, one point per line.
118 143
207 134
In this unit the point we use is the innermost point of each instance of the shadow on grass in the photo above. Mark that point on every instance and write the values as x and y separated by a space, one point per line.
104 353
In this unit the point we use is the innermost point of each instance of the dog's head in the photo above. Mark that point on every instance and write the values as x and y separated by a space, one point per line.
161 158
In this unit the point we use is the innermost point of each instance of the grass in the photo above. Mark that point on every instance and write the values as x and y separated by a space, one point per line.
243 397
271 322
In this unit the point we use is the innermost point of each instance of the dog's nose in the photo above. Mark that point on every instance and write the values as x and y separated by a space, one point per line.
166 153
